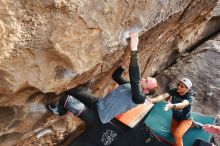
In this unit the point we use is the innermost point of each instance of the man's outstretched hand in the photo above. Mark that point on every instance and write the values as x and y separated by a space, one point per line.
134 41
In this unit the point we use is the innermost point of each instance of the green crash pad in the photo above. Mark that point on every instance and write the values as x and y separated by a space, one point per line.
160 121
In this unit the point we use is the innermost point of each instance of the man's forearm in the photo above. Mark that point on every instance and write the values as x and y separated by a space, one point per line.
134 70
134 73
157 99
117 76
160 98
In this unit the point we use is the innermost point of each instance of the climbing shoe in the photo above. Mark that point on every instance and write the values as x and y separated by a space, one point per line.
73 105
53 108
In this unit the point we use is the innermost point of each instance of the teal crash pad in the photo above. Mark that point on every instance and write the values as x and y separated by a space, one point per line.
160 121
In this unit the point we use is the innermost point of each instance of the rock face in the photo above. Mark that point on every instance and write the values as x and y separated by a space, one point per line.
55 45
48 47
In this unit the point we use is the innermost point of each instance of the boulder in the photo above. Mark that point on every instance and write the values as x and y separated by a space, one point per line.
48 47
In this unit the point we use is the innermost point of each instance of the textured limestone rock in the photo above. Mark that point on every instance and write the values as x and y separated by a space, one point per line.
55 45
57 134
212 27
50 46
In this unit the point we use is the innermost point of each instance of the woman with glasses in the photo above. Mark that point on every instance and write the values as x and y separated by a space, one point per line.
180 101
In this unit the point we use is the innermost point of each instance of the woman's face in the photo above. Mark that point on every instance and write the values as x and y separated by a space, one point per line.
181 88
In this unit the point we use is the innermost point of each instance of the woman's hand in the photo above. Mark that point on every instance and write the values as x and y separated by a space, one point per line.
134 41
168 106
211 129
